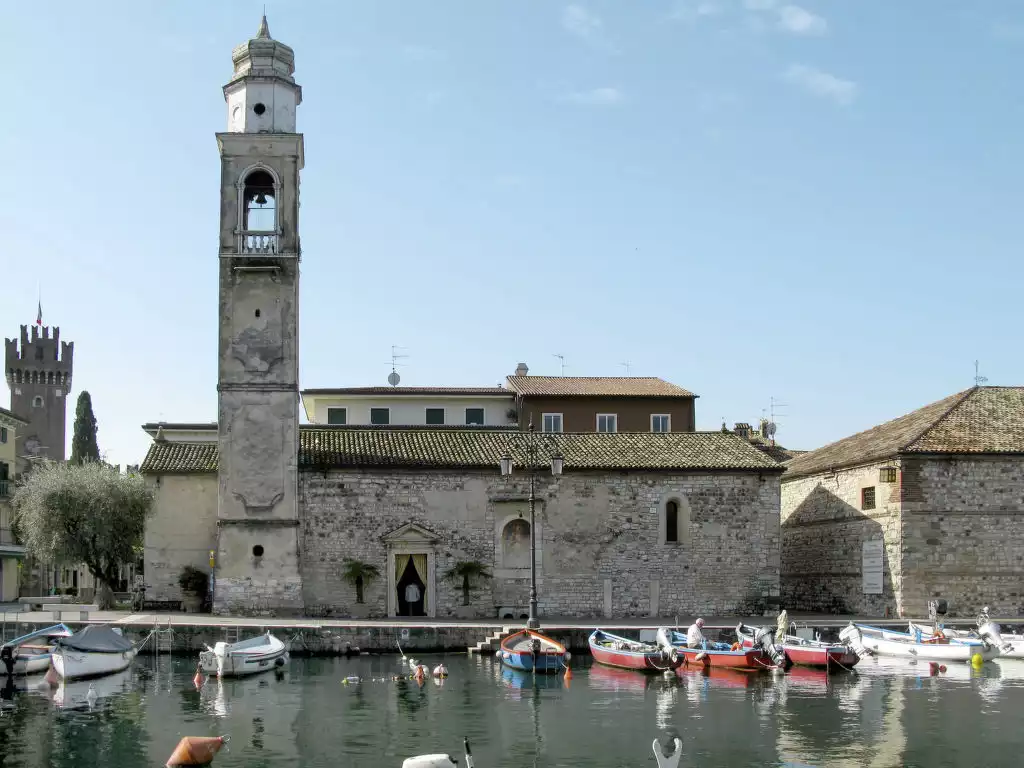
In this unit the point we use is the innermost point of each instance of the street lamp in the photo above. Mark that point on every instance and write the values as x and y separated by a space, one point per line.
530 445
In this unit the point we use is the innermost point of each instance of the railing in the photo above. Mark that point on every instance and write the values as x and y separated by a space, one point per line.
258 243
6 488
7 537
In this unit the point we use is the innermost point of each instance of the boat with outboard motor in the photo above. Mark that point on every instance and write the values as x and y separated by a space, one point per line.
248 657
1010 646
805 652
530 651
23 656
614 651
95 651
763 655
866 640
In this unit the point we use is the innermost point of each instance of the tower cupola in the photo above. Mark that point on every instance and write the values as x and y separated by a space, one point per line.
262 96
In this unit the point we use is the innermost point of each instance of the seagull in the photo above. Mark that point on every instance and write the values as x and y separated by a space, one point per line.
91 696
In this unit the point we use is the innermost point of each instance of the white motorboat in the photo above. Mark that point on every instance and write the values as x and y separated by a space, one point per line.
868 641
257 654
30 654
96 651
1010 646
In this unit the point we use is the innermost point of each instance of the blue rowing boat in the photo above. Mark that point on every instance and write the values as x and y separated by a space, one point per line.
530 651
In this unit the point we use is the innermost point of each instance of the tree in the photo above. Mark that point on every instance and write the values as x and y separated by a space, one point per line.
467 571
358 574
83 445
83 513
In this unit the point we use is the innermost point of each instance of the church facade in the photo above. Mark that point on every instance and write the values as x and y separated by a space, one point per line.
638 523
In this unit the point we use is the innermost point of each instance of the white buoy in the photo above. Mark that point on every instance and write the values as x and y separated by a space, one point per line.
440 671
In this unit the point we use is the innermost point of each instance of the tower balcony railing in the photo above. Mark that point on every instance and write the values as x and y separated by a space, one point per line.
259 243
6 488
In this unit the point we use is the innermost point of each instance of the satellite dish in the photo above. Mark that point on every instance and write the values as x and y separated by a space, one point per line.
394 378
770 429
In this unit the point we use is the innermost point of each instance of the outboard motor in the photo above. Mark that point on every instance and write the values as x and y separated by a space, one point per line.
937 608
852 637
668 651
7 657
764 639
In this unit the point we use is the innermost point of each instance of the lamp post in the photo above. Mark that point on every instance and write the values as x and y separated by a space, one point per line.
530 445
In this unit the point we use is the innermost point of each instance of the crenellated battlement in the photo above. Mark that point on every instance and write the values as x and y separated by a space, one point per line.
40 358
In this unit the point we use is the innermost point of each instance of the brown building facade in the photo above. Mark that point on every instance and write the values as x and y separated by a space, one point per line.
602 404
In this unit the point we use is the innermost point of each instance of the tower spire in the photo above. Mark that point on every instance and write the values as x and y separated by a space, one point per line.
264 31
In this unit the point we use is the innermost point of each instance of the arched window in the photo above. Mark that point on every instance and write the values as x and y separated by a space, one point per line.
672 522
515 544
37 402
259 204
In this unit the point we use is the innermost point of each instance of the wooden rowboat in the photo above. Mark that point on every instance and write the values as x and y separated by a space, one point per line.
866 640
809 653
614 651
530 651
718 654
22 656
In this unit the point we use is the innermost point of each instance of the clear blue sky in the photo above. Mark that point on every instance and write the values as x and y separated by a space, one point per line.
820 202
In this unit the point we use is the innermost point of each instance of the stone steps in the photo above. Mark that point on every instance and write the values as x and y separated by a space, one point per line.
487 645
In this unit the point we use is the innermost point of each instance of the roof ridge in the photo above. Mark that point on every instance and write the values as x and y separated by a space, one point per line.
966 395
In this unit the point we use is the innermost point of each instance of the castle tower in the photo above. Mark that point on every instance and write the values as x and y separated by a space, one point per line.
258 368
39 376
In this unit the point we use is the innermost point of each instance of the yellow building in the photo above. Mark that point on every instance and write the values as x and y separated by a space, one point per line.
11 553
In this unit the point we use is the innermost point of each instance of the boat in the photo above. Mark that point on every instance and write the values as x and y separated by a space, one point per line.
531 651
806 653
257 654
95 651
710 654
1010 646
22 656
614 651
866 640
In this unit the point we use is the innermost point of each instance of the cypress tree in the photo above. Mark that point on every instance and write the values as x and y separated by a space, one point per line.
83 445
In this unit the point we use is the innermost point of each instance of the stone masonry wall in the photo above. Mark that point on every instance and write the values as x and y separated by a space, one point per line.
181 531
596 532
963 534
823 529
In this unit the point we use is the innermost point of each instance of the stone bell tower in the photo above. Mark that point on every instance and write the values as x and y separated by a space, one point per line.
261 154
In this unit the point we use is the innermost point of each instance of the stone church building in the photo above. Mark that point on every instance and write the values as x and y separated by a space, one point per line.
657 523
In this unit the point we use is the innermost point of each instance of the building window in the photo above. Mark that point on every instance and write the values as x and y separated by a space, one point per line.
552 422
258 197
475 416
661 422
37 402
380 415
3 434
672 522
435 416
607 422
337 415
867 498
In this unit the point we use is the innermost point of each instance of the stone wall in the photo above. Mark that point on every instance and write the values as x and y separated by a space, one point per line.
823 530
600 548
963 534
182 531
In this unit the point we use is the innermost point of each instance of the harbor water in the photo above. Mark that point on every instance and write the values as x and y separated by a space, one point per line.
886 713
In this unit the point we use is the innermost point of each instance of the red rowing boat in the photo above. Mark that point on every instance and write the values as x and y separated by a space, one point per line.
614 651
809 653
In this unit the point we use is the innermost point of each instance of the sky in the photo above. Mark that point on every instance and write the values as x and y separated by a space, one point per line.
817 203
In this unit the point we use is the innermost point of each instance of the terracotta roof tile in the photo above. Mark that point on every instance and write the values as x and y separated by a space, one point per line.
977 420
328 447
474 391
595 386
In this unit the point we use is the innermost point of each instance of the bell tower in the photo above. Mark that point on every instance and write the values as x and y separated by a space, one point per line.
258 367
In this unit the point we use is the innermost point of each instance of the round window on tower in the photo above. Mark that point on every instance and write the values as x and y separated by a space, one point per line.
259 108
257 551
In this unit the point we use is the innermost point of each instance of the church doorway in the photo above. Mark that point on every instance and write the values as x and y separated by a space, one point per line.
410 583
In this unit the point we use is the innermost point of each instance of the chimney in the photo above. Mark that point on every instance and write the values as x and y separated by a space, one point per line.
522 370
763 426
742 429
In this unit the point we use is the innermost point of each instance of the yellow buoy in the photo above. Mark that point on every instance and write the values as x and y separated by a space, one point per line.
977 661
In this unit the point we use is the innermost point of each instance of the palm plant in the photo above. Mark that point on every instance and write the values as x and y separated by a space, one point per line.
358 573
467 571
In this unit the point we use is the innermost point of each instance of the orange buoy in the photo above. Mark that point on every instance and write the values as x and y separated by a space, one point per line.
198 680
196 750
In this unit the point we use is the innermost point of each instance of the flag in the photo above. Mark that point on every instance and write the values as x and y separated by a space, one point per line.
39 314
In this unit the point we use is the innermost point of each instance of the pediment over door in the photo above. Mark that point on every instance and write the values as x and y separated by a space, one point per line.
410 534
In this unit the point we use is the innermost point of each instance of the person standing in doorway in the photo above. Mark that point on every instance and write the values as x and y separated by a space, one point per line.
412 596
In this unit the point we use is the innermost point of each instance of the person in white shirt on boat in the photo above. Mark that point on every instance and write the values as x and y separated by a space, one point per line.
694 637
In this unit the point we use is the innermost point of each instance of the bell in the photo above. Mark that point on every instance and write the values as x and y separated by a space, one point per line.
261 198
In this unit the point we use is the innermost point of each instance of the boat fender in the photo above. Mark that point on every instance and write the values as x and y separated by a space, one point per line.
440 671
196 750
279 662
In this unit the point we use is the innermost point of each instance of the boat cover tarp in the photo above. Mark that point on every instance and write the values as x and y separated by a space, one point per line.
96 639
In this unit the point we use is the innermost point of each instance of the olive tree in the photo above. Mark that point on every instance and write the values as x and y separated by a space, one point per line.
83 513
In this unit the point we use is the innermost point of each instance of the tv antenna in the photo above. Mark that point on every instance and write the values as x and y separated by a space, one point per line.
561 360
627 366
393 377
774 412
978 378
